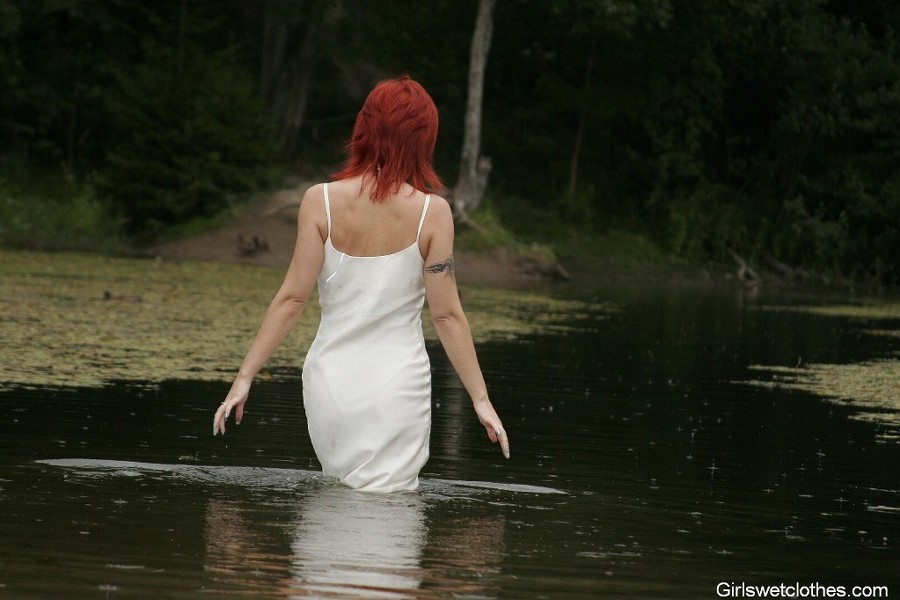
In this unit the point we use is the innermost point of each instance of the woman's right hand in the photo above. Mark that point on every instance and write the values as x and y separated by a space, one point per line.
236 398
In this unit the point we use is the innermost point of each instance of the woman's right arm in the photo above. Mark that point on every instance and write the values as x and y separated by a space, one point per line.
286 306
449 319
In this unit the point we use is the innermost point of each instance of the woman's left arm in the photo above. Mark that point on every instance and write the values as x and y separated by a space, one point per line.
286 306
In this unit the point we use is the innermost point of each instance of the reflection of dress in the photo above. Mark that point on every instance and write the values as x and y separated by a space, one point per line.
366 378
354 545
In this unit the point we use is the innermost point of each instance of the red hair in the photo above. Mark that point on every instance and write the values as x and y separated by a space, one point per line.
393 139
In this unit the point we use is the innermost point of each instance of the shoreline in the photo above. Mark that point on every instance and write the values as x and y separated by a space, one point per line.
263 233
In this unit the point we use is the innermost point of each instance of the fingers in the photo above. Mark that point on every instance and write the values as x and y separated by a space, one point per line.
220 418
224 411
488 417
235 399
504 441
496 433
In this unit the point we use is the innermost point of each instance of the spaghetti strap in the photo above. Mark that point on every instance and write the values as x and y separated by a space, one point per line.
422 219
328 210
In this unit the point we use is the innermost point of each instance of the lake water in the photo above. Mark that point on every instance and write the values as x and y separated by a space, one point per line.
644 465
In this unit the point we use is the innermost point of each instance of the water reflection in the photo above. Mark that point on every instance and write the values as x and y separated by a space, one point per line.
345 540
239 554
463 556
341 543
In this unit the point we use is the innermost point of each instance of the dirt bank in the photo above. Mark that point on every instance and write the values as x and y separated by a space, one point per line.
264 234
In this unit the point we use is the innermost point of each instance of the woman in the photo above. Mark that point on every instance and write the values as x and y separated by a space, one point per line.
377 245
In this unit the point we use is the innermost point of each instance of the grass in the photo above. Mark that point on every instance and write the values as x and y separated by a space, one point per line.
489 232
55 211
199 225
542 231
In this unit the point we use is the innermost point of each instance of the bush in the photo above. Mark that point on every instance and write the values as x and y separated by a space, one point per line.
189 133
712 215
53 212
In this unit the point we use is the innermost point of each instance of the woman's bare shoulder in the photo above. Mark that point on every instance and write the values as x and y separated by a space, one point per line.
313 202
440 207
312 210
313 193
438 220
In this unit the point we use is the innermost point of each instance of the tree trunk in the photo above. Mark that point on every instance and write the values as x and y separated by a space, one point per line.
297 92
274 36
290 38
582 127
473 168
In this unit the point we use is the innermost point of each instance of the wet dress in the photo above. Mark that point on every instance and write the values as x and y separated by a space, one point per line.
366 377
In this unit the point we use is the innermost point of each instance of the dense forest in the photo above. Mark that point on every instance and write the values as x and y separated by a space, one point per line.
763 130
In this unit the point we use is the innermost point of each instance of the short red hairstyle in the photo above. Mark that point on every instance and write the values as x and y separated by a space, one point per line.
393 139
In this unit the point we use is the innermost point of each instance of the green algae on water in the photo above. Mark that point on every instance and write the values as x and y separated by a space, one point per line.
71 320
871 311
82 321
871 387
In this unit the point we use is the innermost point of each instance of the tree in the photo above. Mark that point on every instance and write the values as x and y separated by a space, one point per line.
11 79
291 34
188 130
57 60
474 169
604 24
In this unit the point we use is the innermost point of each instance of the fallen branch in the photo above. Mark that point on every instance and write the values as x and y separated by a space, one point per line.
745 272
793 272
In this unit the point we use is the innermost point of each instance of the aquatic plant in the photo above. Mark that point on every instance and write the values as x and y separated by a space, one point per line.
72 320
870 387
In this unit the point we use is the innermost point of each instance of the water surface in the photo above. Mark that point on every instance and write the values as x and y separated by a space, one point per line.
644 464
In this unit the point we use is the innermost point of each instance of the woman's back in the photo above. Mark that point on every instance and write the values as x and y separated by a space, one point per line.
361 227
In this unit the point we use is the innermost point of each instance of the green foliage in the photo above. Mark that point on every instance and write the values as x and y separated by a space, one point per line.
489 231
764 125
143 98
828 239
10 67
216 141
53 211
544 230
709 217
58 59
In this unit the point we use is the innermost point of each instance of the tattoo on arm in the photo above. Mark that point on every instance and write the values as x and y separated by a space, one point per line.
447 267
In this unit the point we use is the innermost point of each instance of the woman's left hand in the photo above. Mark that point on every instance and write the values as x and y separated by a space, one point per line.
491 422
235 399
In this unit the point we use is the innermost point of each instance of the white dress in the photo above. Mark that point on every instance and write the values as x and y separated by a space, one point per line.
367 378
